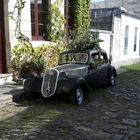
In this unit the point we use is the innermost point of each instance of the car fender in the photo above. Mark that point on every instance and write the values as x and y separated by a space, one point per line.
110 70
33 84
81 81
71 84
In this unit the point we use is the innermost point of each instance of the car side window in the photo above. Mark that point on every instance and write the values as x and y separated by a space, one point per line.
103 58
95 59
98 59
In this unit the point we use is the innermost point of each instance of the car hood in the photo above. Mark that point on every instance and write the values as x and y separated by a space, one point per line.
73 69
70 67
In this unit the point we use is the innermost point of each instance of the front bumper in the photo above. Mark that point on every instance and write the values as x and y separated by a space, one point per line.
33 85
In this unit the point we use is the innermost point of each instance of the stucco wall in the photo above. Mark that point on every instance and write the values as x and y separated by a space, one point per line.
132 23
116 39
113 42
106 40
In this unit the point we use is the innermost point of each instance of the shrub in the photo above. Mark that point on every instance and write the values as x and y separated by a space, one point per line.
83 40
26 59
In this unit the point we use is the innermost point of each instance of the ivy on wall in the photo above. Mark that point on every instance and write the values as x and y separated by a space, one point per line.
76 14
80 36
80 14
55 22
86 14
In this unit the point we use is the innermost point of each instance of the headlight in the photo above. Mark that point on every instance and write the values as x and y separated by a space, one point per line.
63 76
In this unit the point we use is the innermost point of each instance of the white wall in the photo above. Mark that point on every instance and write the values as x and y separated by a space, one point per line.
118 33
25 24
105 44
132 23
116 39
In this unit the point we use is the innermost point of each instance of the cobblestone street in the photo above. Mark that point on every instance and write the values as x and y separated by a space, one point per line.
110 113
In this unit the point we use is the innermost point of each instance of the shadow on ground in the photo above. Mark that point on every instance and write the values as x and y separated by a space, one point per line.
111 113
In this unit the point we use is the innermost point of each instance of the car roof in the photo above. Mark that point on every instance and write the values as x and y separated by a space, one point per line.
89 51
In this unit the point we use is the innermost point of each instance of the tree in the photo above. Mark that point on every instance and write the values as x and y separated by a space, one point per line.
80 37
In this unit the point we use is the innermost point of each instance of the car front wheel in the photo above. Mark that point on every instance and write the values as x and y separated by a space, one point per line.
77 96
112 79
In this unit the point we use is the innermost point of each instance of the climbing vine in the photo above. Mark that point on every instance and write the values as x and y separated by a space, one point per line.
80 36
86 14
55 22
80 14
76 14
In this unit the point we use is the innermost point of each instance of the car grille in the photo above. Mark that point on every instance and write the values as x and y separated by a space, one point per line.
49 83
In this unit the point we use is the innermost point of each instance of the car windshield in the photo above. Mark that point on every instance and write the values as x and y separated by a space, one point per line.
73 58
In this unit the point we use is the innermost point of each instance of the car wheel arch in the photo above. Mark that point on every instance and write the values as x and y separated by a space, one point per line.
110 70
110 74
83 84
115 73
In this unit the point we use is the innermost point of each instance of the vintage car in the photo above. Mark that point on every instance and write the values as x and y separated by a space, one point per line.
76 74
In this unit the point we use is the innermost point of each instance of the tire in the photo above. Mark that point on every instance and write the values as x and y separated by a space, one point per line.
77 97
111 79
28 95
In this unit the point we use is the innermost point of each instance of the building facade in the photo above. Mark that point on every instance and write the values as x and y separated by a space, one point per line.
33 25
33 20
130 5
119 28
124 29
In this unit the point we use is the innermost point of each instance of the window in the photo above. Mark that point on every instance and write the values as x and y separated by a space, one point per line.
103 58
126 39
95 56
39 11
98 59
73 58
135 39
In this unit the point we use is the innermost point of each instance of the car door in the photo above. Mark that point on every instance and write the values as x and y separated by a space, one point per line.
93 77
103 67
98 74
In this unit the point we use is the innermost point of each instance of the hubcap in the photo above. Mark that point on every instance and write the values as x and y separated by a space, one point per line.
79 95
112 80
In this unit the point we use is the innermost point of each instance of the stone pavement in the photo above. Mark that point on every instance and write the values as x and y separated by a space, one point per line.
7 90
109 113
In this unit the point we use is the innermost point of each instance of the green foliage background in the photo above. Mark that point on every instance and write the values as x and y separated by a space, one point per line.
55 22
80 36
80 14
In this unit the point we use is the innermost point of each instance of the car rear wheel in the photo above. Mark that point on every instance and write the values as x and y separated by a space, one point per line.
112 79
77 96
